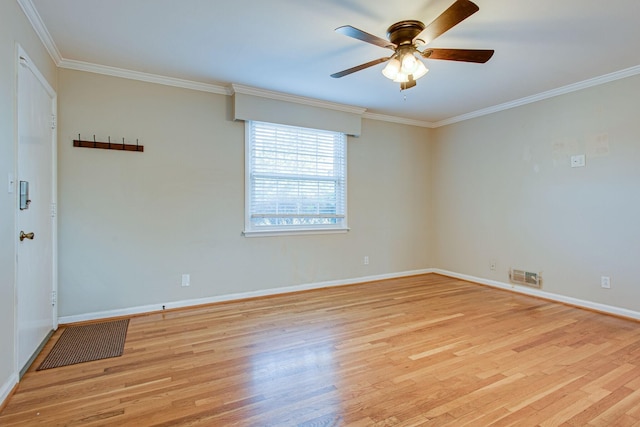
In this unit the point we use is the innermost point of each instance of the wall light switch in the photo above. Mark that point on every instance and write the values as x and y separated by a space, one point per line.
578 161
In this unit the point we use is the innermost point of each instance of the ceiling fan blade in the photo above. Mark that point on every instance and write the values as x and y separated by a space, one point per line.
350 31
359 67
457 12
464 55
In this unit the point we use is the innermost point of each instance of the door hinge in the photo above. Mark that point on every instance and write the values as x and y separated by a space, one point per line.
54 298
53 121
54 210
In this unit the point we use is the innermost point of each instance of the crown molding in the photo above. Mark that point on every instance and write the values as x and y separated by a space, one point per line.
41 30
247 90
145 77
585 84
396 119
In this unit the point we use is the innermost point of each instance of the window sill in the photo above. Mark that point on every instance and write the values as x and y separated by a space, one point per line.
274 233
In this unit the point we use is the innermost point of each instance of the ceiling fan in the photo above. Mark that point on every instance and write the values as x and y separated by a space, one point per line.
406 37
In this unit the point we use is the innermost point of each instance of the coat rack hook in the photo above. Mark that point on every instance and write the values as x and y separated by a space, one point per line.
108 145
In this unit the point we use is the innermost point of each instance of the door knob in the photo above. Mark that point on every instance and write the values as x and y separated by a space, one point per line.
24 235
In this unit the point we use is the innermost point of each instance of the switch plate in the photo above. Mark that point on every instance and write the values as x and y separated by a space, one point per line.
186 280
578 161
605 282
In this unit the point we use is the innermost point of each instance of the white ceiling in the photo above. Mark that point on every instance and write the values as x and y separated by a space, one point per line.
289 46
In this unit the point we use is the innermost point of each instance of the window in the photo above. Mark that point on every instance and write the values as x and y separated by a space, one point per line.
295 179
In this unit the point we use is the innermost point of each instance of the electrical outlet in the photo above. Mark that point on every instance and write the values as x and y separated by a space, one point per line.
605 282
578 161
186 280
492 266
365 261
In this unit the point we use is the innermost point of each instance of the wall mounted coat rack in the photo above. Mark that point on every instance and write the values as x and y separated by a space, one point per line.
108 145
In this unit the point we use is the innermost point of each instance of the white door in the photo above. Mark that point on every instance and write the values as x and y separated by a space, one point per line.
35 216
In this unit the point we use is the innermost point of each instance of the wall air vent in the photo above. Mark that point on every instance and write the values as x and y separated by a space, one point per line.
527 278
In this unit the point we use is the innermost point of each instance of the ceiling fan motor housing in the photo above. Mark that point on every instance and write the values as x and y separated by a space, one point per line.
404 32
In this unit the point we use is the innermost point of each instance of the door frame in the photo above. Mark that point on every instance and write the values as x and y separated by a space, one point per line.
23 59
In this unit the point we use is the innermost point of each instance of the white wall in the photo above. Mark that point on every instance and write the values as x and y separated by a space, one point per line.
131 223
504 191
14 28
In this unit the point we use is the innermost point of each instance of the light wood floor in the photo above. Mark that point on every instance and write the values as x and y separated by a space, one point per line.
423 350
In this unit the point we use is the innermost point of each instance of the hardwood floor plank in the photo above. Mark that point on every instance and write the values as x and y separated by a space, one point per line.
415 351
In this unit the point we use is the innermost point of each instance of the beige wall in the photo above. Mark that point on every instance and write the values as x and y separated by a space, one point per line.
131 223
504 191
497 188
14 29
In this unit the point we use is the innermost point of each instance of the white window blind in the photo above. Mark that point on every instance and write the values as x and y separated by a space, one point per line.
295 178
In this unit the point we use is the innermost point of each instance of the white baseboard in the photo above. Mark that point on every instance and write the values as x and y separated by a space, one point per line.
6 388
129 311
616 311
231 297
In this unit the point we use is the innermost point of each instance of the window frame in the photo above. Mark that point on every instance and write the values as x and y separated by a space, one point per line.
277 230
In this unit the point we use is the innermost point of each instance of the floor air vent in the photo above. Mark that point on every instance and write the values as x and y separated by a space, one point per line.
527 278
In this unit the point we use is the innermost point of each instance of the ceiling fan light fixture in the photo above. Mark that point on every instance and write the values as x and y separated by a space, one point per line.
392 69
401 78
421 70
404 67
409 63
